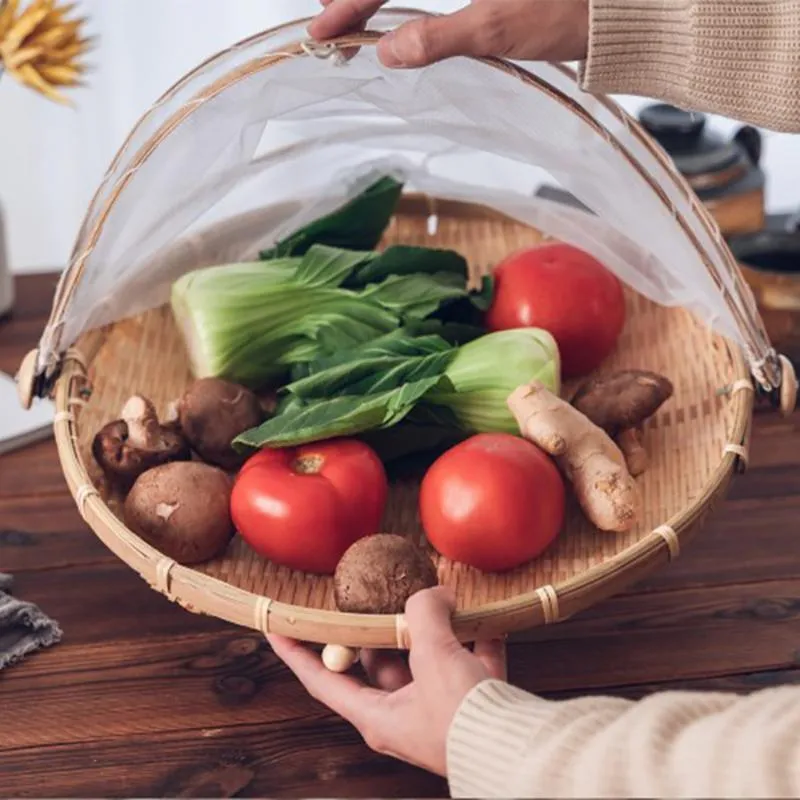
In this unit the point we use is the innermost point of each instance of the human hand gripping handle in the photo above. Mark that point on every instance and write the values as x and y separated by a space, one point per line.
404 709
536 30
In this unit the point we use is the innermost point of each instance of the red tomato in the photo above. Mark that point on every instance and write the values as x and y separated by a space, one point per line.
568 293
493 501
303 507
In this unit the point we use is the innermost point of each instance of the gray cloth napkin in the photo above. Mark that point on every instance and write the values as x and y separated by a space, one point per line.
24 628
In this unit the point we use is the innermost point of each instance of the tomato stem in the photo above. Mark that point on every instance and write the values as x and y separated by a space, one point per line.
308 465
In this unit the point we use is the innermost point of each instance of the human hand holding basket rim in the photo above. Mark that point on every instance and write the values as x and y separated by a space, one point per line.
483 28
403 707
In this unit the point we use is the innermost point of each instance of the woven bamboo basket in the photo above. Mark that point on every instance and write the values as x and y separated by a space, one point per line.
698 440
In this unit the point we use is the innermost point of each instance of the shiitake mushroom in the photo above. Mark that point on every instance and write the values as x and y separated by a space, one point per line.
137 442
620 403
212 412
183 510
377 574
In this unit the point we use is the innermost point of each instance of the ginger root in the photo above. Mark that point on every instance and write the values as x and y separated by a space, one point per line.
584 452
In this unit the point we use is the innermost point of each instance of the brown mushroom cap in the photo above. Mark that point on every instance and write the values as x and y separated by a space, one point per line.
212 413
378 574
127 447
183 510
622 399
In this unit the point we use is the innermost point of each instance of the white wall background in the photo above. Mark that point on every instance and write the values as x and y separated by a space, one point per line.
52 158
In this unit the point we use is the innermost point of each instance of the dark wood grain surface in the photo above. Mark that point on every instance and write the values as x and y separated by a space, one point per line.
144 699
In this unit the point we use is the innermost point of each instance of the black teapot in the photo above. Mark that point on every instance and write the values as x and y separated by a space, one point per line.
724 173
770 262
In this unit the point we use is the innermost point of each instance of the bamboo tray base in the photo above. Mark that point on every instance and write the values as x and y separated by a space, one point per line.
686 441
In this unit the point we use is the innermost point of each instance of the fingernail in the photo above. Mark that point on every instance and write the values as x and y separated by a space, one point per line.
388 53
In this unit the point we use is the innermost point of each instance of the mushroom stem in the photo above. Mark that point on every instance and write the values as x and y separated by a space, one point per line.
144 431
172 417
630 442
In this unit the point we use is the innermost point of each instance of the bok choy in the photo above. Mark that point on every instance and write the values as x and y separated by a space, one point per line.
420 380
252 322
358 225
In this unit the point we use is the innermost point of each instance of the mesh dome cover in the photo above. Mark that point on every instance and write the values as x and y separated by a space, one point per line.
278 132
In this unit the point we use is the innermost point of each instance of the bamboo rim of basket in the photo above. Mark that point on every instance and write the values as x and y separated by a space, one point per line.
547 604
761 357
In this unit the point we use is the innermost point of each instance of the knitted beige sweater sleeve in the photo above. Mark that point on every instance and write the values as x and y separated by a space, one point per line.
738 58
504 742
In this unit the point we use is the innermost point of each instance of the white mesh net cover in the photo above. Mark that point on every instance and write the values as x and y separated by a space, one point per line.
272 146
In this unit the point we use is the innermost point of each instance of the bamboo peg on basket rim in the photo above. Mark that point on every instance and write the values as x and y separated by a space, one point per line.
26 377
338 658
788 398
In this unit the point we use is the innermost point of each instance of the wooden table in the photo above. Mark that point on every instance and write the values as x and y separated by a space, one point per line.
144 699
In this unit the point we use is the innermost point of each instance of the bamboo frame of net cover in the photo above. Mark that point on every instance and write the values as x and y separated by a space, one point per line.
68 373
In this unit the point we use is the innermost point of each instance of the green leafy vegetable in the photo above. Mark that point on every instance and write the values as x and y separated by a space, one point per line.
483 299
346 415
423 380
417 337
357 225
401 259
355 269
323 265
484 372
318 296
252 322
415 296
372 375
411 438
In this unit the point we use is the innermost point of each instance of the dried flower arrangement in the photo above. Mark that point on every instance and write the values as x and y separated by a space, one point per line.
40 47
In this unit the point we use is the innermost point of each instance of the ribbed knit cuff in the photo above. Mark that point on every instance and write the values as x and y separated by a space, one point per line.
638 47
738 59
489 735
